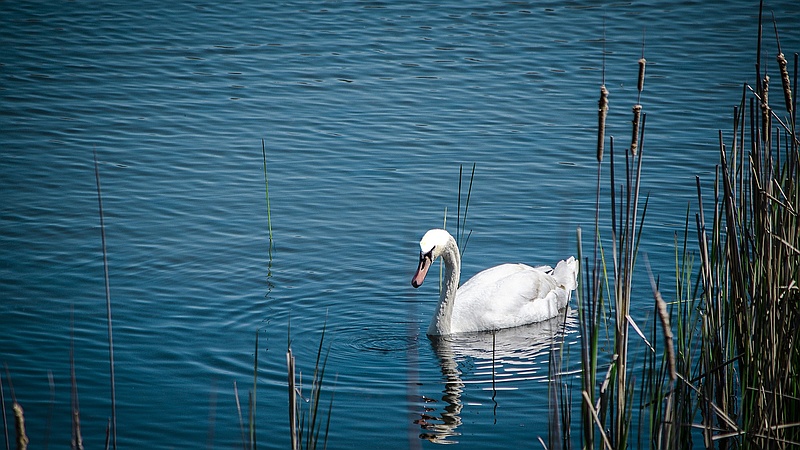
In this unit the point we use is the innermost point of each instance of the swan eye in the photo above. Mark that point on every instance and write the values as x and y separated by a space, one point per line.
428 255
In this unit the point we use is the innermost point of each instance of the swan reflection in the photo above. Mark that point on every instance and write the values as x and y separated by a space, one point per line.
496 360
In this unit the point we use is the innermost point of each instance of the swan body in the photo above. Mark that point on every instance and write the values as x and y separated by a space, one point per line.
504 296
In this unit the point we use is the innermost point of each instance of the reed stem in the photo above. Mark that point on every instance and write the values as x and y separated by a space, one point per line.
113 428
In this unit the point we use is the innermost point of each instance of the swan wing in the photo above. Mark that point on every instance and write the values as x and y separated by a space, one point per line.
506 296
566 273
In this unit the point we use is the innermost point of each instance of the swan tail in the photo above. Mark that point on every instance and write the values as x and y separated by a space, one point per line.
566 273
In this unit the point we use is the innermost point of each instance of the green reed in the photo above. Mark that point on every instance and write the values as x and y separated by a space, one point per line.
305 425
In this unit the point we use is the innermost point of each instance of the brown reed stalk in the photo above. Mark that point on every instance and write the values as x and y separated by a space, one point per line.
758 45
292 400
77 439
785 81
587 321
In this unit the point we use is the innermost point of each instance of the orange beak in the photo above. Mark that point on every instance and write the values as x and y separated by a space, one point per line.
424 264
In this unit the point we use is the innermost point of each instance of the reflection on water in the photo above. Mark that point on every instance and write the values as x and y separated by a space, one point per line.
496 360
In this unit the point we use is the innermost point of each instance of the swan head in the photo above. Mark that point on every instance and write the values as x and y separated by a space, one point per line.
431 247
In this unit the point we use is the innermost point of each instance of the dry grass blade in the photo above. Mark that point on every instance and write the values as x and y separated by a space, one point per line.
588 403
638 331
730 422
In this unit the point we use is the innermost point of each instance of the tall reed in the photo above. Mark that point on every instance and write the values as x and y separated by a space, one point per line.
748 374
113 420
738 350
461 223
606 409
269 210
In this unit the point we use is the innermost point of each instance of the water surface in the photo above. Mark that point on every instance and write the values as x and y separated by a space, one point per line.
366 110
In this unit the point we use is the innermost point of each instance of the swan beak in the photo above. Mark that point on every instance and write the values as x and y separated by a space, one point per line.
424 264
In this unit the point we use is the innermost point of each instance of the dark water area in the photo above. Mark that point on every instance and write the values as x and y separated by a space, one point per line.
366 110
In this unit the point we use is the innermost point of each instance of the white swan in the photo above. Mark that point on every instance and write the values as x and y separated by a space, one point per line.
503 296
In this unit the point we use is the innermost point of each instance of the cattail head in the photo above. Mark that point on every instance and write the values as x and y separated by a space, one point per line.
663 315
602 112
637 113
787 89
19 421
642 63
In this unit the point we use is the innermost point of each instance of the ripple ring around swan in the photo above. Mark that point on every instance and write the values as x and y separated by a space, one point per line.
384 343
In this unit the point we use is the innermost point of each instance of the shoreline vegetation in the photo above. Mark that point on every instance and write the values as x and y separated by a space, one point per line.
722 359
723 370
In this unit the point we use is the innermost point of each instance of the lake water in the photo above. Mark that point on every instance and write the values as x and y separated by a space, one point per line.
366 110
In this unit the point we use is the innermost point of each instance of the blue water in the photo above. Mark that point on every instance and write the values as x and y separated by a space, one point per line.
366 110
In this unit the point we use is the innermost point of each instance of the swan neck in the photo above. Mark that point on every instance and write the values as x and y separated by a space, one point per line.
442 320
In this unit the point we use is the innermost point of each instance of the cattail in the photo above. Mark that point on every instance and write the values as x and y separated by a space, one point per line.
637 113
19 421
661 306
787 89
602 112
642 63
